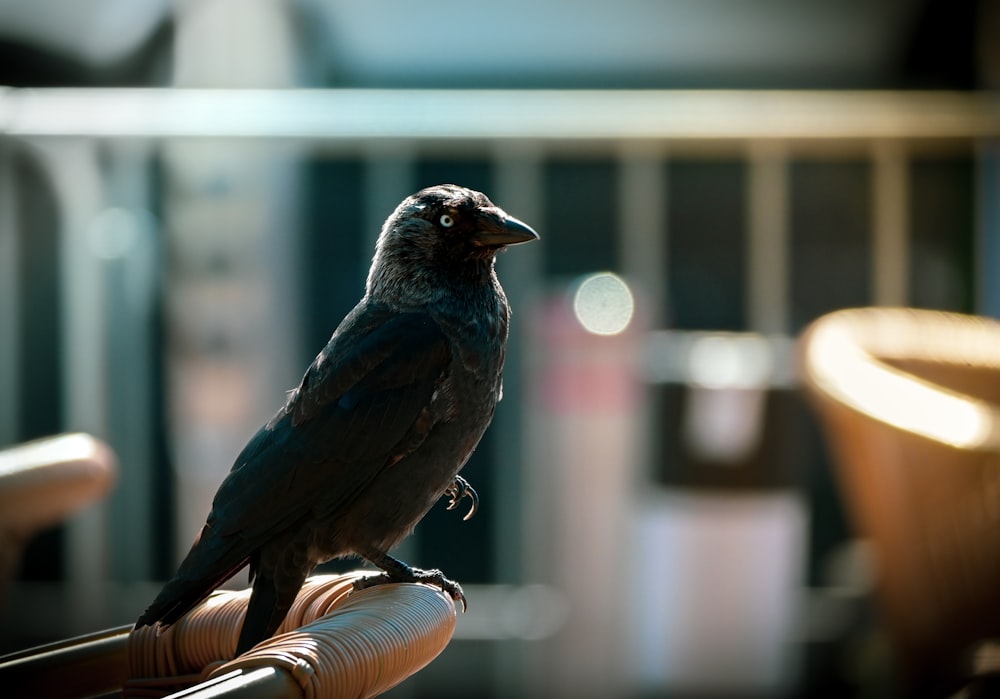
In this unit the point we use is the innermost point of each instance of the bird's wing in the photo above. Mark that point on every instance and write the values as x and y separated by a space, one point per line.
362 404
357 407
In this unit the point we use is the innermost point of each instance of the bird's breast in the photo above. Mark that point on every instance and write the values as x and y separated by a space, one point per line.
477 332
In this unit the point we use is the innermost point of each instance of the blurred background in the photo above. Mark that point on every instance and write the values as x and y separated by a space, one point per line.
659 515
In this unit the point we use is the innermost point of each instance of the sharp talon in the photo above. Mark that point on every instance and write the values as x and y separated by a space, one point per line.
475 505
461 489
452 588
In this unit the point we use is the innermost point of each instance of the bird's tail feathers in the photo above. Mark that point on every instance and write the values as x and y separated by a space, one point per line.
180 596
209 564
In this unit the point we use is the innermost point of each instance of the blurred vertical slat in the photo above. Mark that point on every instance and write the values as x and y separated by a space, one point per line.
988 229
890 227
642 234
767 248
10 298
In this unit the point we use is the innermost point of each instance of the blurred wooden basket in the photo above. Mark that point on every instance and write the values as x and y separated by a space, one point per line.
910 403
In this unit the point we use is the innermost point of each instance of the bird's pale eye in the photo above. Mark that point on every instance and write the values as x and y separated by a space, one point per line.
446 221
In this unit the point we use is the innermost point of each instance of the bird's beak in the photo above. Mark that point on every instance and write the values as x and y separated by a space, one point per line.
497 228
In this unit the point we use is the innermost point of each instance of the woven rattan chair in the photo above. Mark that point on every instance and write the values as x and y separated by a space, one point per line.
334 643
910 403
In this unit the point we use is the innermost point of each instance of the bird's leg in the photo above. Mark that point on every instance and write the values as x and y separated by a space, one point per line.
395 571
461 489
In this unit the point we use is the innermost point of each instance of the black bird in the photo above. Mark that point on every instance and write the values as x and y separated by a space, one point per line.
378 429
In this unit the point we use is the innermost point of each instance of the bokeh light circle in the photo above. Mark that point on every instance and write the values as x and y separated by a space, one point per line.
603 304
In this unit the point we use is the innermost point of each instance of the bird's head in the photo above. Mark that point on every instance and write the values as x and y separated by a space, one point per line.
442 234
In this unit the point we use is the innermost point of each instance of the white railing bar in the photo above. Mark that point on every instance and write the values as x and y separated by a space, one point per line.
331 114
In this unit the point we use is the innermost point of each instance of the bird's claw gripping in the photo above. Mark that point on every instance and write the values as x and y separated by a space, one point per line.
461 489
416 575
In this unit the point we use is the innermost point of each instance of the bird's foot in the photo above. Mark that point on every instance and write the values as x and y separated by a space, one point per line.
461 489
406 574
